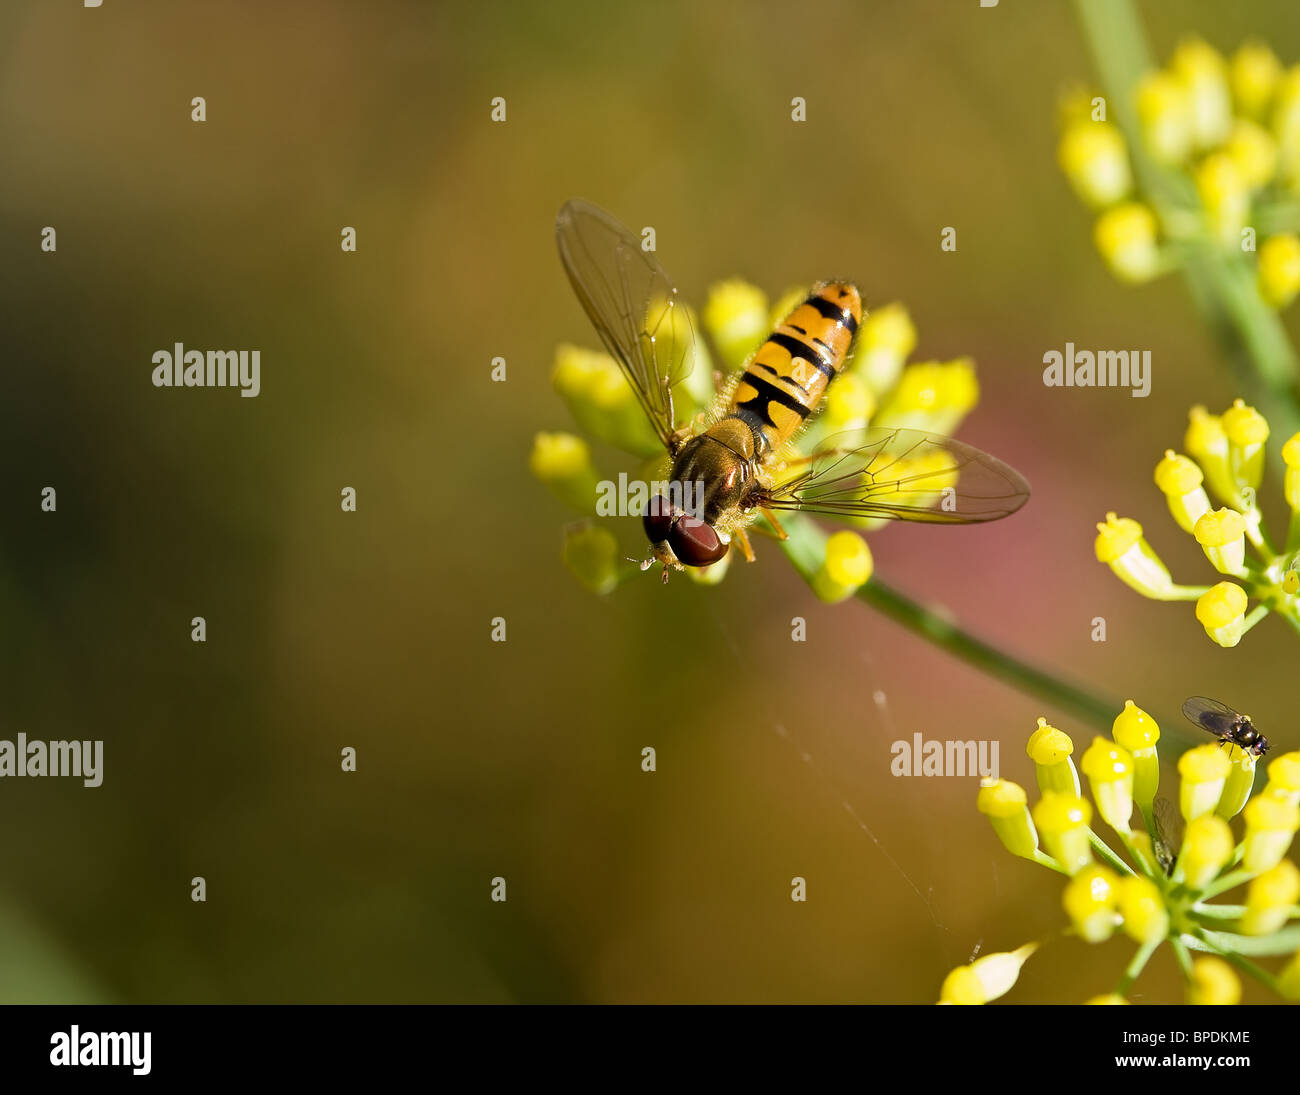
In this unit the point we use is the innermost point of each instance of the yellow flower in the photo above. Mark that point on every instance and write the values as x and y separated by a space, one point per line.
1269 898
1181 481
1279 269
1288 980
1222 612
1291 457
1205 77
1204 770
1089 899
1094 159
1106 998
1246 430
1208 446
1253 74
563 462
847 567
849 404
1165 115
1213 982
1005 804
1062 820
1126 237
592 556
1050 749
1222 536
1207 846
884 342
1138 733
1121 546
1286 123
932 395
1109 769
1241 780
1271 822
601 400
1284 778
1143 909
1225 194
1252 148
986 978
736 317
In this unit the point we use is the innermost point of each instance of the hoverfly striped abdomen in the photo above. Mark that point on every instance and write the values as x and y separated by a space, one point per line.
787 377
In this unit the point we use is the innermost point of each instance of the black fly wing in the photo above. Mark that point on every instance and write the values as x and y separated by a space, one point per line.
1211 715
631 302
906 475
1167 840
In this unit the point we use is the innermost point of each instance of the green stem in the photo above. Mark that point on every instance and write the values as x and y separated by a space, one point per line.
1108 854
1226 883
1137 965
1184 959
1047 861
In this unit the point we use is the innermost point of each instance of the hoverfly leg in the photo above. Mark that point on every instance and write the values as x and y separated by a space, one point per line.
664 579
776 525
742 538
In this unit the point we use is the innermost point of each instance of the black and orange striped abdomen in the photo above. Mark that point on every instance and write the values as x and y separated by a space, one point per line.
787 377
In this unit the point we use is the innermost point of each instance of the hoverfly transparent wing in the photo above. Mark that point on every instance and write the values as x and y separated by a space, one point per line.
903 474
1217 718
1167 840
632 304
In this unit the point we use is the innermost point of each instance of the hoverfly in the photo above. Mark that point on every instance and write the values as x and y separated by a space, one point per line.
1230 727
740 456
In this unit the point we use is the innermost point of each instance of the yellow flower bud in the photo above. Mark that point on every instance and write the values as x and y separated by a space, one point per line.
1271 822
786 303
1222 612
1050 749
1106 998
1165 116
1269 898
1225 196
885 340
1222 536
1253 74
1291 457
1284 778
1252 148
1286 123
1143 909
1180 480
1005 804
1090 900
563 462
591 555
736 317
1204 770
986 978
1062 820
1094 159
1121 546
712 574
849 404
601 400
1207 847
1205 78
1246 430
1126 237
1138 733
1213 982
847 567
1279 269
1288 978
1109 769
1240 782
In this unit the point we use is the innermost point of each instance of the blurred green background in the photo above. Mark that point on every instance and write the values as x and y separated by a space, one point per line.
371 630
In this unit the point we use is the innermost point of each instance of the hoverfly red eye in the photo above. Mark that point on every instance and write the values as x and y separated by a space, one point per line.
658 519
695 543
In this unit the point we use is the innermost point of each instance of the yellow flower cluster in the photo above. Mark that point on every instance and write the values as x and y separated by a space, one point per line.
1163 891
1218 142
1226 454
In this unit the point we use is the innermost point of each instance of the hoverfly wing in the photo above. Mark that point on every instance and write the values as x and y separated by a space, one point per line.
631 302
1211 715
903 474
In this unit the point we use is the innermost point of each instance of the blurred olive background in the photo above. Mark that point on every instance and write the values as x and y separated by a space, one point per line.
371 629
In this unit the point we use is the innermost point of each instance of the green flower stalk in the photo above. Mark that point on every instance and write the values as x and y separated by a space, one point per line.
1225 453
1151 900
